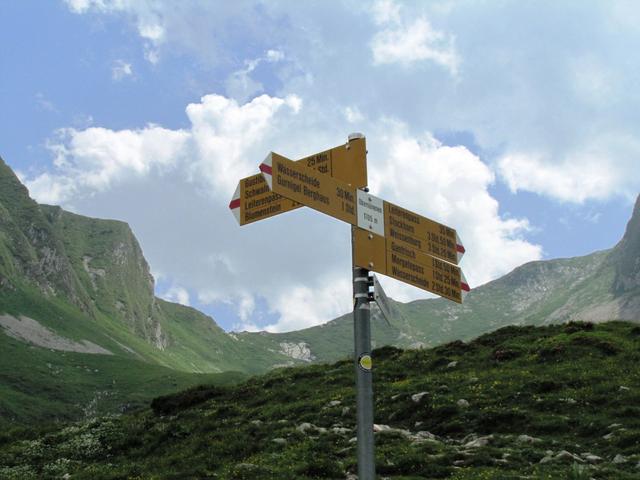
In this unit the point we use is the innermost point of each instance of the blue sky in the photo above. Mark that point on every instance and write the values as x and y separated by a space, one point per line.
516 123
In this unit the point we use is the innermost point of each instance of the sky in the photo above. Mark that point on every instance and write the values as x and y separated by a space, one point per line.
517 123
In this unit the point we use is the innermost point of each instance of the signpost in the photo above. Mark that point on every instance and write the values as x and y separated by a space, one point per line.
386 238
253 200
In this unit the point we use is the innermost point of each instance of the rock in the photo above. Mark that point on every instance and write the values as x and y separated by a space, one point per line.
624 389
474 380
614 425
426 435
417 397
546 459
589 457
563 455
333 403
462 403
619 459
386 428
279 441
256 422
479 442
341 430
608 436
353 440
396 396
305 427
351 476
453 364
345 411
528 439
66 476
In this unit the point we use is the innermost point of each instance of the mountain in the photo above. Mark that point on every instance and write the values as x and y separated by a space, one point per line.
77 310
598 287
76 290
555 402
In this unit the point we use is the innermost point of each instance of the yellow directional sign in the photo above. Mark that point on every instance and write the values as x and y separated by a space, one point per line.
253 201
398 260
422 233
309 187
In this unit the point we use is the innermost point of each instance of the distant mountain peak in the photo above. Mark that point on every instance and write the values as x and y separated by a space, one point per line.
627 255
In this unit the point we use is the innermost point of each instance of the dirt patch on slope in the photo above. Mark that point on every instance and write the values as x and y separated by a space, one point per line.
31 331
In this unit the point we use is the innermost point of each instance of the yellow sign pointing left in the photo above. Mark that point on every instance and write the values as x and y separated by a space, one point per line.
309 187
253 201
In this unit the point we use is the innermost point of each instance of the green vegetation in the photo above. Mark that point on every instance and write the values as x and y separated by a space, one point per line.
556 402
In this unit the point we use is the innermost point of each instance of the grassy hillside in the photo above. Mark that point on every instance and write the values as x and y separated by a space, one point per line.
523 402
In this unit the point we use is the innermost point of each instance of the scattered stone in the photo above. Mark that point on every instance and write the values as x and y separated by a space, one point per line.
417 397
608 436
345 411
614 425
453 364
386 428
423 434
340 430
396 396
591 458
570 401
563 455
479 442
334 403
528 439
66 476
353 440
462 403
546 459
619 459
305 427
351 476
474 380
256 422
279 441
624 389
459 463
418 424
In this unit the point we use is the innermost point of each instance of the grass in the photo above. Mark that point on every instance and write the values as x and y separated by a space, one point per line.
573 388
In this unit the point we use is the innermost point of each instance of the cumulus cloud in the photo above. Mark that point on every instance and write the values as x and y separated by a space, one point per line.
177 294
602 168
408 42
299 262
451 186
121 70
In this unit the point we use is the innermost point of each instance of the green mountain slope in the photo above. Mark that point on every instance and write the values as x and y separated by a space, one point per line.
598 287
550 402
79 288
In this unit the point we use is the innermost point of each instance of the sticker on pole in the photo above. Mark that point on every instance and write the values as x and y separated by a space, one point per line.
365 362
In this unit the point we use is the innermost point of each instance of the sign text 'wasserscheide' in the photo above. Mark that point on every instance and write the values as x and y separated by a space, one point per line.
253 200
408 228
309 187
401 261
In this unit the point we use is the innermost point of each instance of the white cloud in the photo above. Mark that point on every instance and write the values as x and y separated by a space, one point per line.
604 167
177 294
298 306
298 262
353 115
121 70
240 85
409 42
451 186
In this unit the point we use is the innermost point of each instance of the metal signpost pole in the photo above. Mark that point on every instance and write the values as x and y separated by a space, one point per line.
364 384
364 381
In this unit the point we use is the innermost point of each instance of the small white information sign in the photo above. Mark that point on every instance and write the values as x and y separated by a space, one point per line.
370 210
